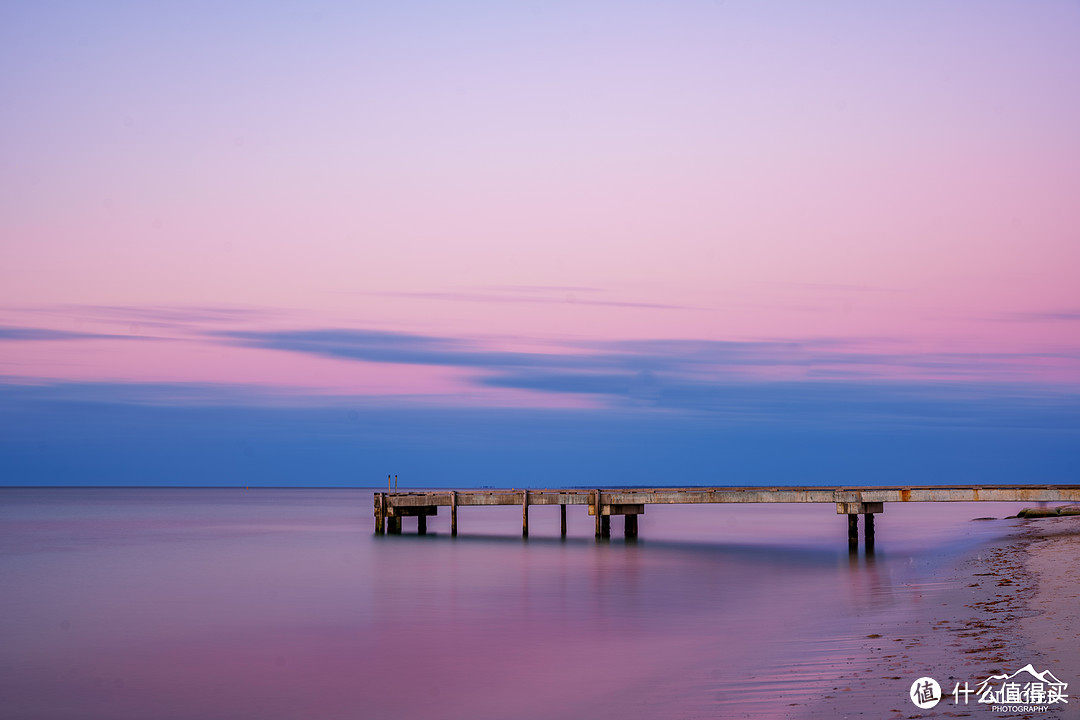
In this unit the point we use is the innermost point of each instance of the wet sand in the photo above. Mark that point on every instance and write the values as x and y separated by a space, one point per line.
1053 558
1013 602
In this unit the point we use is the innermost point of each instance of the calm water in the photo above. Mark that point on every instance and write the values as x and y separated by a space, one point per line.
283 604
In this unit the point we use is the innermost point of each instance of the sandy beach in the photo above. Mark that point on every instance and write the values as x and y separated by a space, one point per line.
1011 603
1053 623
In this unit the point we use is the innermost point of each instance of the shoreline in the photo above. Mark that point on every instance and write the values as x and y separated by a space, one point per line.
1053 625
1010 602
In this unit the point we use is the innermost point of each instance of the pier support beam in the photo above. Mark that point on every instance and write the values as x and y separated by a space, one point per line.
860 508
603 514
453 514
853 510
562 520
420 512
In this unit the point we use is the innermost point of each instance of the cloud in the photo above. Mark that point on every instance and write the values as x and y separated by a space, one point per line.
163 394
1046 316
178 317
400 348
820 400
46 334
534 294
671 356
684 374
834 353
172 315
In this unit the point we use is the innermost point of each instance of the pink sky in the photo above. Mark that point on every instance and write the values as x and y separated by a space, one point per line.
896 178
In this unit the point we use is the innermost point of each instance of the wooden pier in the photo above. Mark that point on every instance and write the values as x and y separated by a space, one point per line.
391 507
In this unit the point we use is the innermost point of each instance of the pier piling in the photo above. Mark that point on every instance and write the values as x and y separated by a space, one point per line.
525 513
453 514
596 508
853 532
562 520
380 513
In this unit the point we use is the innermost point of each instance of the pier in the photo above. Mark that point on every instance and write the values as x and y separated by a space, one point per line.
391 507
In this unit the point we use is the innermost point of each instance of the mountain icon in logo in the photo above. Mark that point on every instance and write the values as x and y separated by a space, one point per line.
1023 686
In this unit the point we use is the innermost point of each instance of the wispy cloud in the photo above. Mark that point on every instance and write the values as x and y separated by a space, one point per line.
165 394
400 348
829 287
820 400
163 317
548 295
670 356
173 315
770 379
1044 316
9 333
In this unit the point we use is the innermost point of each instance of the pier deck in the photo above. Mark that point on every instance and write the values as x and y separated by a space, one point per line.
602 503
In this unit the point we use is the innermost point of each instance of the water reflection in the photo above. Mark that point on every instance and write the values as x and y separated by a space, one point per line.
282 604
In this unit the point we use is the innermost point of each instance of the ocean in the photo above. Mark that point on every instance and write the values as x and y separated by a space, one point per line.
283 603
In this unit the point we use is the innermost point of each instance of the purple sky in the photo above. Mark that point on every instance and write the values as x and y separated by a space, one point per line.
696 237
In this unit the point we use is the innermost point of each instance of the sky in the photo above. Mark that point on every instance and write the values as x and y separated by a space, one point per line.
542 244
